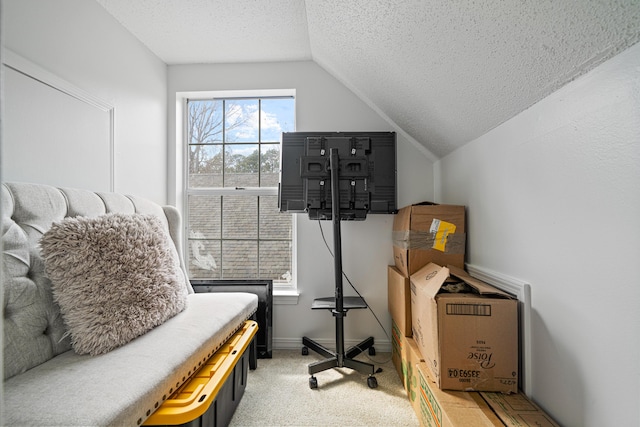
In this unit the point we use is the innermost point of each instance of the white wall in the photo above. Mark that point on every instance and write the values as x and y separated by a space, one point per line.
553 198
78 41
322 104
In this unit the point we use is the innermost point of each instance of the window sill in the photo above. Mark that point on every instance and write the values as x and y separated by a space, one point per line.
285 297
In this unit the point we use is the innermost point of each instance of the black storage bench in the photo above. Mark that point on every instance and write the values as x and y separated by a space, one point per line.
263 288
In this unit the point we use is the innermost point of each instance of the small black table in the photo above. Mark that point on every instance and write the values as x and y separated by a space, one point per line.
264 316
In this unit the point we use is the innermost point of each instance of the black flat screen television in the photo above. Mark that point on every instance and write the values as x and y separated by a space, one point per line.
367 173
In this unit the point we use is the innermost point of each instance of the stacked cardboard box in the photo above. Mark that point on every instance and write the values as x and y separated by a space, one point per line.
406 356
399 299
404 351
427 232
516 410
444 408
433 406
467 335
422 233
451 408
455 352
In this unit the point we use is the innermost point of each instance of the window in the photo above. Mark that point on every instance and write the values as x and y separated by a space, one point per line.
234 228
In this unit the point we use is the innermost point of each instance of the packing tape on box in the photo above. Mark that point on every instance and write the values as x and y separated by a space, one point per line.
424 240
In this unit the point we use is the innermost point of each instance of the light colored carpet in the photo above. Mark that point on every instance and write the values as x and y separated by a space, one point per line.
278 394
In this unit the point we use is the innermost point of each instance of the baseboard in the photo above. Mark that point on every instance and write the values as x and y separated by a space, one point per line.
521 290
382 346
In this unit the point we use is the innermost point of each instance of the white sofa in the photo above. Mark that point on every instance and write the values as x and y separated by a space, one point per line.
45 381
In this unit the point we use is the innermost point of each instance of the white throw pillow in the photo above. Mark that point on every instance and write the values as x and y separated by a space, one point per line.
115 277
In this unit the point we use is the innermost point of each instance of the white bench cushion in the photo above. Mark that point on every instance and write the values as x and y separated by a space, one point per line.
123 387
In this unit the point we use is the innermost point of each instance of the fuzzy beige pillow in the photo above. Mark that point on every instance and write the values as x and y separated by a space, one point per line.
115 277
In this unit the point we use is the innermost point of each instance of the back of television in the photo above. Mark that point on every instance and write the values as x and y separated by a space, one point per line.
367 173
353 172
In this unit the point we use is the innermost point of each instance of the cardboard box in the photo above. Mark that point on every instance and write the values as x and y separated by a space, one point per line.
405 356
469 339
399 299
439 408
427 232
398 348
516 410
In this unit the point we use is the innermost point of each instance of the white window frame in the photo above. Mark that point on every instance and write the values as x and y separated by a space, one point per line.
284 293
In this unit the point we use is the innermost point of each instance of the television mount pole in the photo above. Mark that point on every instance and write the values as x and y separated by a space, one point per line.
340 358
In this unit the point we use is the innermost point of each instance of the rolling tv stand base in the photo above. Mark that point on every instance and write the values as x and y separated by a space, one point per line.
340 358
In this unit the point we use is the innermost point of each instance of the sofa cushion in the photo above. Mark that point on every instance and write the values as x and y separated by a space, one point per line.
124 386
115 277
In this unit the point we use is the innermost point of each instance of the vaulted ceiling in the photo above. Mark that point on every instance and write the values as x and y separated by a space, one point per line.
442 71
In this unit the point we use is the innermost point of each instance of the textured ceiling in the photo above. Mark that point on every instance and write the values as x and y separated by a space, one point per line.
444 72
214 31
